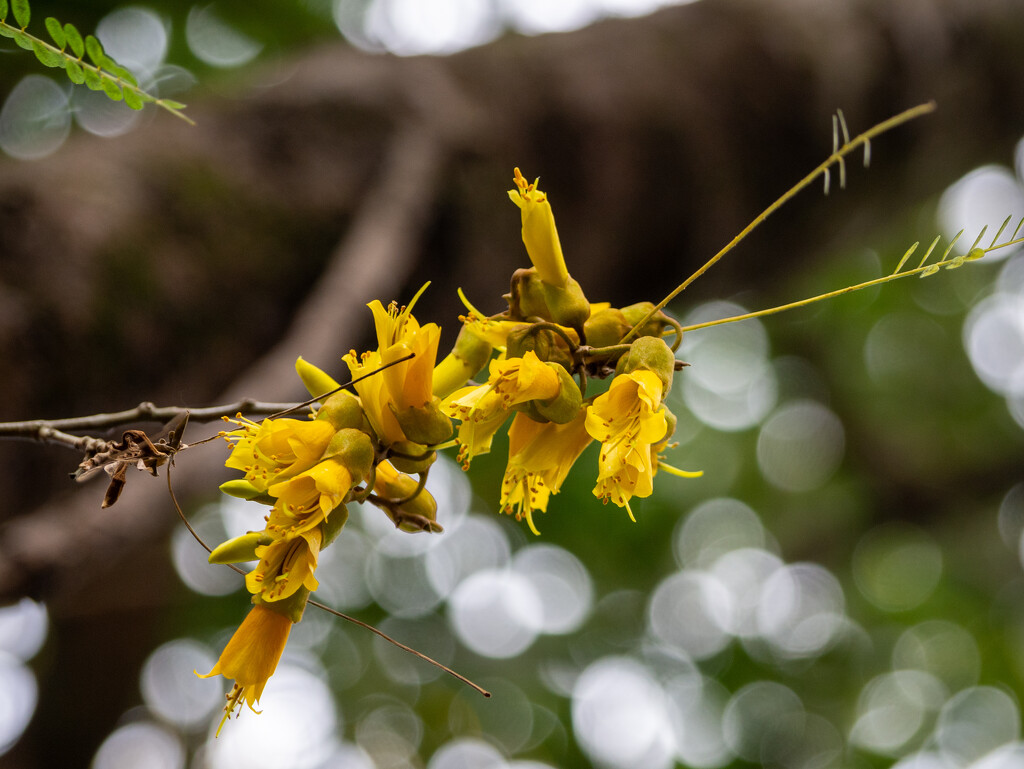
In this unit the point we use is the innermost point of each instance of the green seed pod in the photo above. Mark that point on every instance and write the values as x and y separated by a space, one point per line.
342 410
426 425
606 328
354 449
240 549
650 353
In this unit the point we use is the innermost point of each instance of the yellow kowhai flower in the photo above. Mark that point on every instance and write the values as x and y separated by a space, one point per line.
628 420
308 498
251 656
402 386
285 566
539 233
540 455
276 449
484 408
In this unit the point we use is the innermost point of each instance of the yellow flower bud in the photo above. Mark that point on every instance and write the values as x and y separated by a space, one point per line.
316 381
243 489
469 355
239 549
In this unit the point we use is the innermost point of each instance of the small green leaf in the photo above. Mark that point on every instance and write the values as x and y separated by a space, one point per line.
92 79
171 104
47 56
132 99
3 9
111 89
95 50
74 40
23 39
22 13
56 32
121 72
75 73
7 31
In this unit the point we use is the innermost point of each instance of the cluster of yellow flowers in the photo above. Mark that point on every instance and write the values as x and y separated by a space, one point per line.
368 446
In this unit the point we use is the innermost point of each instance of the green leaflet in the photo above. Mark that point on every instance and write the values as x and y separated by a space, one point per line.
3 9
92 79
75 72
56 32
47 56
132 98
22 13
111 89
95 50
74 39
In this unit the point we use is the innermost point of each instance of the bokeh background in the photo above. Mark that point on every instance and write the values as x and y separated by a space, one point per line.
842 587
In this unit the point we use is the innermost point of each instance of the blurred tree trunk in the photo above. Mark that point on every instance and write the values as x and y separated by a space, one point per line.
159 266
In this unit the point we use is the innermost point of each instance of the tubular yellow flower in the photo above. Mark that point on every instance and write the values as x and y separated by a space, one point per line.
251 656
402 386
627 419
539 233
276 449
285 566
308 498
484 408
374 395
540 455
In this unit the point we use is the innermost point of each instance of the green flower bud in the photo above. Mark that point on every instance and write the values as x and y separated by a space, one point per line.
637 312
650 353
565 406
316 381
606 328
567 306
426 425
548 346
240 549
419 514
342 410
415 457
333 525
354 449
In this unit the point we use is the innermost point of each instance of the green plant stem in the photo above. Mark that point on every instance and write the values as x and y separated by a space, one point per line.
837 156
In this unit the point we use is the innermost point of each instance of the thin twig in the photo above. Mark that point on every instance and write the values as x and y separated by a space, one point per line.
836 157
